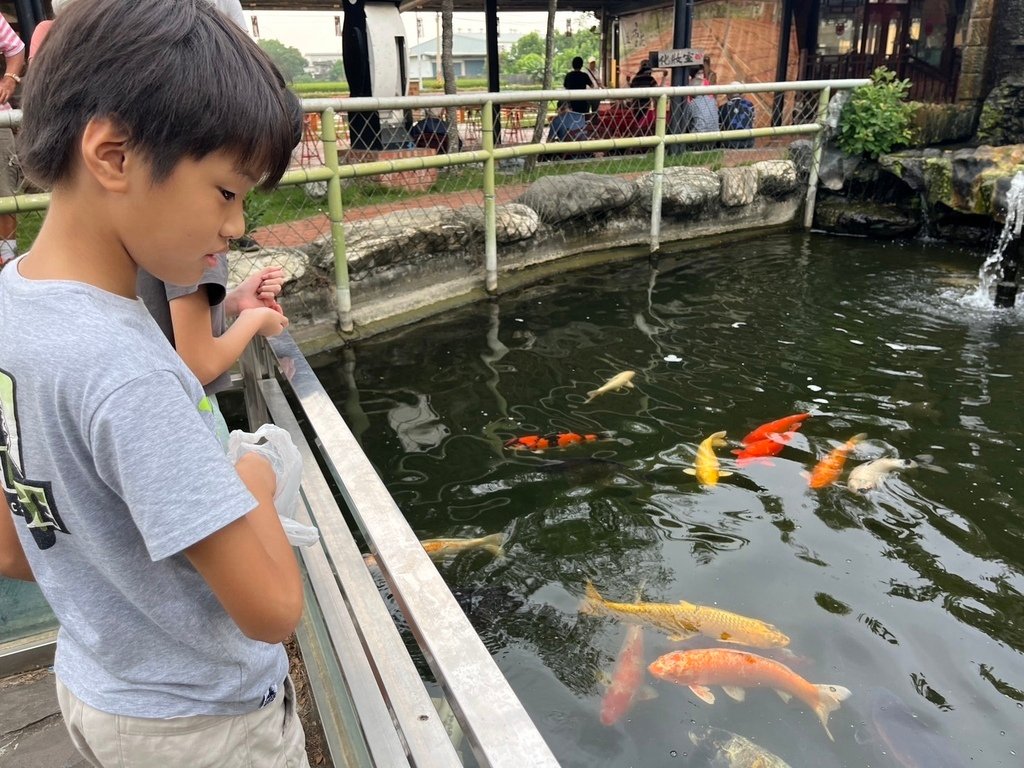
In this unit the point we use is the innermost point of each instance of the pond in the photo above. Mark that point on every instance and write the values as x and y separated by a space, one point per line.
909 595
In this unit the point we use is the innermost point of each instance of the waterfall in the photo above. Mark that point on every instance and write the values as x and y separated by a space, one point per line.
989 273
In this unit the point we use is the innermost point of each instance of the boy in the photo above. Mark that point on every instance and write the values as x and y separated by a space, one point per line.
167 567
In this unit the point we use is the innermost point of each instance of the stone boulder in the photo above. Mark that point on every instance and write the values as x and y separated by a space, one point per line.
739 186
859 217
514 221
776 178
1002 115
399 236
684 191
576 195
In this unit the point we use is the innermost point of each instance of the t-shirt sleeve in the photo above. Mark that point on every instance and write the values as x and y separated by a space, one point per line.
214 280
153 448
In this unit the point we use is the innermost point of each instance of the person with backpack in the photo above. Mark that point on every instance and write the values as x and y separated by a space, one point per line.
737 114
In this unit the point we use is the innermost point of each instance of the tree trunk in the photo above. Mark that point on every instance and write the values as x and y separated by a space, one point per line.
448 70
542 107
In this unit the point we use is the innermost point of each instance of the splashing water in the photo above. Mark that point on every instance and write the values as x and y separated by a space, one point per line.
989 273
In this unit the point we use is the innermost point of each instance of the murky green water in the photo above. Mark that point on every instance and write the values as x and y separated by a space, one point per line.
915 587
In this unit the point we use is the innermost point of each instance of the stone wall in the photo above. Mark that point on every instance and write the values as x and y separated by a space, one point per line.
408 266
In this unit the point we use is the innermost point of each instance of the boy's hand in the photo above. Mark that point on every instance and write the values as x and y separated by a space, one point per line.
258 475
270 322
259 289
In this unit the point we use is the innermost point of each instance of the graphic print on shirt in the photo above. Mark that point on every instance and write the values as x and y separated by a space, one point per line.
31 500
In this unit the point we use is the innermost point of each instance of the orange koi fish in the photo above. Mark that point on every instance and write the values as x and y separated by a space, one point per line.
538 443
786 424
626 686
762 449
738 670
827 470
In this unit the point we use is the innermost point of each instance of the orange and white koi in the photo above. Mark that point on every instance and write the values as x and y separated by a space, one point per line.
626 685
828 470
622 380
737 670
438 549
762 449
785 424
538 443
705 466
683 620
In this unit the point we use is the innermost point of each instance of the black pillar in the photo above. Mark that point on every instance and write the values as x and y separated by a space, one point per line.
782 62
26 18
493 62
363 127
682 33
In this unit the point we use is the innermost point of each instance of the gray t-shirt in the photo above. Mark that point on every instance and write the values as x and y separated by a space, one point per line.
158 295
111 468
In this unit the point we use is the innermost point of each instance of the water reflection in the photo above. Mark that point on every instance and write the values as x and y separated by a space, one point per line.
915 585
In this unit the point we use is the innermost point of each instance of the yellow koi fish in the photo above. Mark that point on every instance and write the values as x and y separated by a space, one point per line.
438 549
705 466
683 620
622 380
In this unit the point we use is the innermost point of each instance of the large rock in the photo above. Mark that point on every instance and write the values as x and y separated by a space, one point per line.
399 236
513 221
775 178
739 186
1002 115
859 217
684 191
576 195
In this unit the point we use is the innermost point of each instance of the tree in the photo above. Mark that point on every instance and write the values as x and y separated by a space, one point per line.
542 108
289 60
337 73
448 69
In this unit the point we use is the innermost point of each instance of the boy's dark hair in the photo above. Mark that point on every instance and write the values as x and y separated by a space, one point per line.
577 62
177 75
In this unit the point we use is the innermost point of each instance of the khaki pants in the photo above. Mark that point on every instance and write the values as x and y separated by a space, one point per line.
268 738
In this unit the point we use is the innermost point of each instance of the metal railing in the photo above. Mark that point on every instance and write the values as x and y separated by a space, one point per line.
491 143
383 714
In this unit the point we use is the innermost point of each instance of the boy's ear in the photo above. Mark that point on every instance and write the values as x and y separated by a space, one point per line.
105 153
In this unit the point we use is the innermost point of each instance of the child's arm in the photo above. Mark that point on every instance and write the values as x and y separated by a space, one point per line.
13 563
249 564
209 356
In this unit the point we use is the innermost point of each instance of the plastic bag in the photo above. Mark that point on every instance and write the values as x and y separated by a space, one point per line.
275 445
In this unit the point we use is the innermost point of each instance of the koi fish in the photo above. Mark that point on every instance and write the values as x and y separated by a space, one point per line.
906 739
618 381
827 470
538 443
626 684
762 449
864 477
438 549
738 670
716 747
785 424
683 620
705 466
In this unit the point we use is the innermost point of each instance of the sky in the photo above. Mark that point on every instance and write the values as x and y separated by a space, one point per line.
314 31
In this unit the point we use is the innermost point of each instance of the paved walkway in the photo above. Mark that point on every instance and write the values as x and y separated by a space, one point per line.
32 732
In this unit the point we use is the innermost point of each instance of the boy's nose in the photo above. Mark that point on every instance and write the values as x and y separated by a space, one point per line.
234 224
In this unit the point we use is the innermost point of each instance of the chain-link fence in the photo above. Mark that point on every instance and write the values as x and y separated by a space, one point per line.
372 170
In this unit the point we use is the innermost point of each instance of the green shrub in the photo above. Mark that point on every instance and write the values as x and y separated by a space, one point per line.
877 117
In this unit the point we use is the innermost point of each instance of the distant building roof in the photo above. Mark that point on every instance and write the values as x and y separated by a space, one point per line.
464 44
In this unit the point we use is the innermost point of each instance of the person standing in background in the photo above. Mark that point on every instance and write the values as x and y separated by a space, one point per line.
577 80
13 50
595 81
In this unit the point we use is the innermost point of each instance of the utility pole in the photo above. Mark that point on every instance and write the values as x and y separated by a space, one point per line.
437 63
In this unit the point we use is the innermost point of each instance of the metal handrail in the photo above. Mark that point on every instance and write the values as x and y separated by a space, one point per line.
497 727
